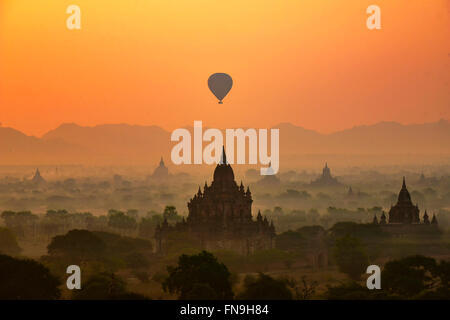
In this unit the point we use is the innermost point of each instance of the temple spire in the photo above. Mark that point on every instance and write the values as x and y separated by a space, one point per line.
434 220
375 219
426 219
404 183
224 156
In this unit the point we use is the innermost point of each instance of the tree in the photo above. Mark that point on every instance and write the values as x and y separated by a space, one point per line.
443 271
133 213
194 273
313 215
262 259
122 246
304 289
8 217
80 244
358 230
136 260
26 280
147 227
170 213
21 223
355 291
290 240
105 286
8 242
119 220
201 291
410 276
350 256
264 287
278 211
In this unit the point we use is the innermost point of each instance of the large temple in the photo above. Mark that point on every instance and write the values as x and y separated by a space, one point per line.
220 217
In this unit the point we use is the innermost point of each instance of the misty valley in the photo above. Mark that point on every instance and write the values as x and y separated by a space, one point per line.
306 233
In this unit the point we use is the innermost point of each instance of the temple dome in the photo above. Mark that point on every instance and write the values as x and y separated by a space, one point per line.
161 172
223 171
404 197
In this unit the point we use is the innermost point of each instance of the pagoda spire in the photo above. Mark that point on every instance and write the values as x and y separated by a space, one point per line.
375 219
224 156
404 183
426 218
434 220
383 218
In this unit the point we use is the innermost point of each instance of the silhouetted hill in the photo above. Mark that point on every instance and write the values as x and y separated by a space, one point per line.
17 148
380 138
131 144
116 143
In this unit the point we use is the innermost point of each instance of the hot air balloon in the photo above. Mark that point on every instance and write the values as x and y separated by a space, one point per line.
220 84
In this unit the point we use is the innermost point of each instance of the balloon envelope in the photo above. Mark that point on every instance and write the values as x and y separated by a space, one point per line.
220 84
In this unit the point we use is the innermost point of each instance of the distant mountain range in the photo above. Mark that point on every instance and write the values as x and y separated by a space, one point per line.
122 144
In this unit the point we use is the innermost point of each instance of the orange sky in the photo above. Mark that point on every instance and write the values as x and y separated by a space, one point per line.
311 62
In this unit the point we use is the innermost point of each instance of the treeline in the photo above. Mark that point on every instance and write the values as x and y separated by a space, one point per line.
26 225
285 219
203 277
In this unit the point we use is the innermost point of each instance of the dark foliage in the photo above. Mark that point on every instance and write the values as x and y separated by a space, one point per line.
195 273
26 280
265 287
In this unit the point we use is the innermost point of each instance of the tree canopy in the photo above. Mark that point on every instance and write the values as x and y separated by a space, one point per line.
350 256
105 286
198 275
26 280
264 287
417 276
82 244
8 242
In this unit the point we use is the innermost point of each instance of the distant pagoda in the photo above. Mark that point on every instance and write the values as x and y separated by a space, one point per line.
161 172
269 179
326 179
37 178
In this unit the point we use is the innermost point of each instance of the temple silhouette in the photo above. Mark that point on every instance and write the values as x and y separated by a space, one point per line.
161 172
404 216
326 179
37 179
270 179
220 217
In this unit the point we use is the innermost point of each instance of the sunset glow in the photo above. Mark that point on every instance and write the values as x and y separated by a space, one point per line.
312 63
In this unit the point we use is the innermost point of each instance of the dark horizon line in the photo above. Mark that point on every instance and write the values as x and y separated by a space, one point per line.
447 121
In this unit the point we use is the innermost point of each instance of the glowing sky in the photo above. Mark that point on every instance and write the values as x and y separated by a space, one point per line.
313 63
